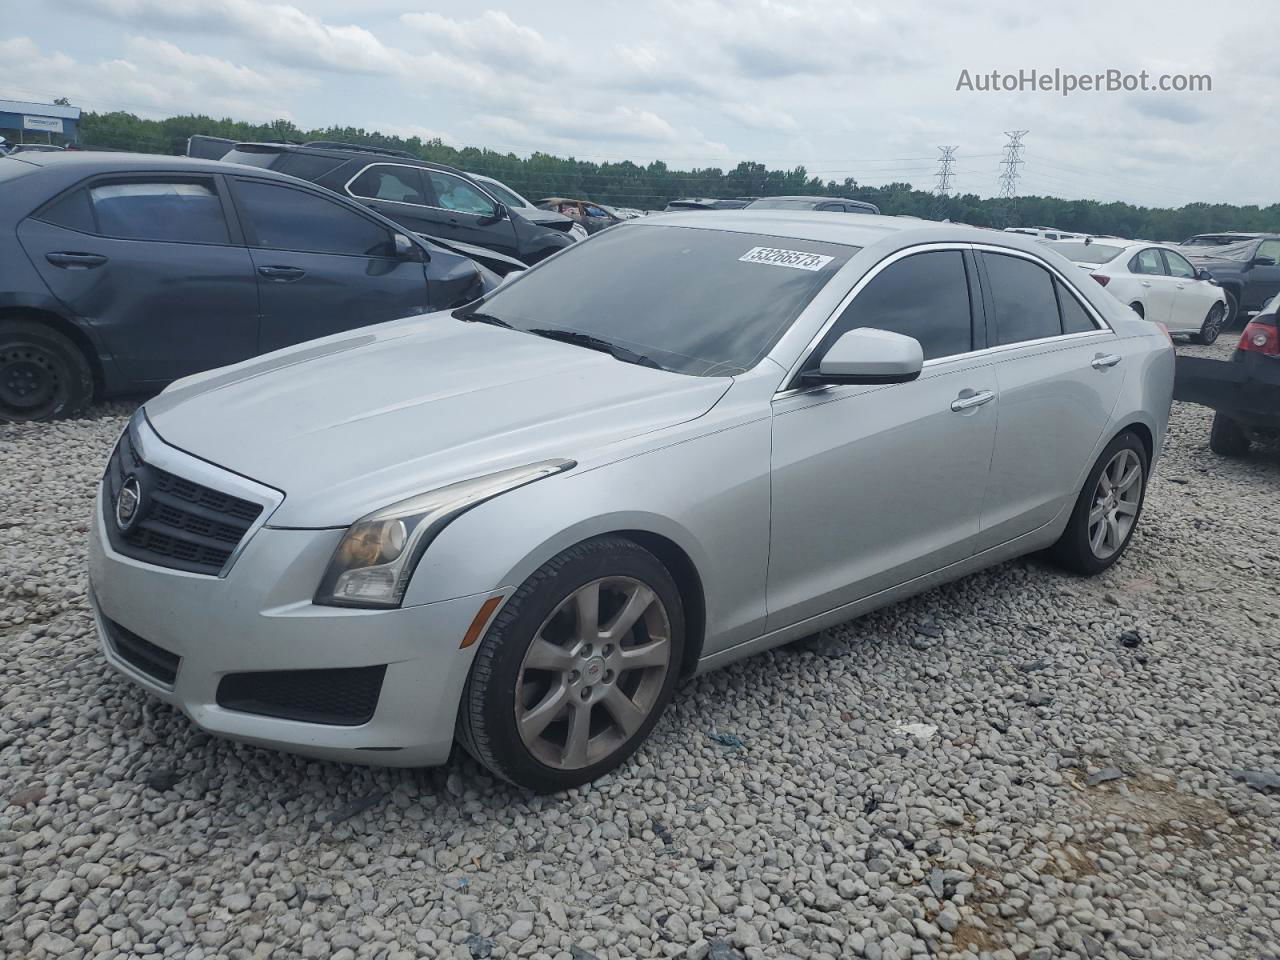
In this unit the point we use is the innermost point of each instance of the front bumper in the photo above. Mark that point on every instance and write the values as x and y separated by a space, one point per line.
259 617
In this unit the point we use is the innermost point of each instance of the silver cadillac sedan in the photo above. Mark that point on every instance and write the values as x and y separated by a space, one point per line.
694 437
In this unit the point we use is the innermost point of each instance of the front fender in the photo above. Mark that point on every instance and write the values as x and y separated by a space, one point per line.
684 491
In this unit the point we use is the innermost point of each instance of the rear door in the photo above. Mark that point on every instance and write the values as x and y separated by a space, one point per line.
398 192
1059 371
322 266
155 264
1158 289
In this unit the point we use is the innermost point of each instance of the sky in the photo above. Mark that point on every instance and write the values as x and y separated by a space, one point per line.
847 89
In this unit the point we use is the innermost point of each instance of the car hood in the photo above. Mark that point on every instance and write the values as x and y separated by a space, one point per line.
1209 261
354 422
544 218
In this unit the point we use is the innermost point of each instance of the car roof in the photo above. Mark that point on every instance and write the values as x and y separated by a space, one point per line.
351 151
857 229
799 199
90 161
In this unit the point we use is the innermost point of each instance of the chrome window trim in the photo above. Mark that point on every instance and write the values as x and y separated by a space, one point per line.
346 187
1104 328
152 448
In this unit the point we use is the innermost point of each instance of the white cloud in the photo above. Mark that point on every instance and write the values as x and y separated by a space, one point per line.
493 37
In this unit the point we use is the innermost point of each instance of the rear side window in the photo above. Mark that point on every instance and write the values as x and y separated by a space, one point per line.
172 211
71 211
1075 319
1026 307
286 218
925 296
385 181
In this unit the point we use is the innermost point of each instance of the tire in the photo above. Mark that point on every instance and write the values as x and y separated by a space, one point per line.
1138 308
522 704
1233 310
1075 549
1227 438
1214 321
43 375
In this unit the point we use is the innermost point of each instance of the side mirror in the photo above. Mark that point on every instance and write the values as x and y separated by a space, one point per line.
1263 262
499 212
1203 274
867 355
405 248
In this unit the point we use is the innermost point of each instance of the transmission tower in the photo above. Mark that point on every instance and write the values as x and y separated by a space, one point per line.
943 189
1009 174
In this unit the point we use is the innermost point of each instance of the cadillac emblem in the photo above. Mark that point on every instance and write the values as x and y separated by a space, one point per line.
128 503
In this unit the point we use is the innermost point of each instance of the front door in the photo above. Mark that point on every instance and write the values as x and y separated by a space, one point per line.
1159 290
150 264
322 266
877 485
1263 280
462 212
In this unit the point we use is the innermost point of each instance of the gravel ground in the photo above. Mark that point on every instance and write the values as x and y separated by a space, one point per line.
779 810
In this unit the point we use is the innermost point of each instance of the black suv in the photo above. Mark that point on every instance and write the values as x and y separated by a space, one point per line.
1248 270
427 198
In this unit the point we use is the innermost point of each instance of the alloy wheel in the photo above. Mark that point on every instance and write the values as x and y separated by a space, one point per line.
1213 323
593 673
1116 500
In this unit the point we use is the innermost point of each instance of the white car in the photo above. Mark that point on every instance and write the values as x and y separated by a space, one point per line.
525 208
1157 281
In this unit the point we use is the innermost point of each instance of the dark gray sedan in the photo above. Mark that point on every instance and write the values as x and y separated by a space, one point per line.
120 272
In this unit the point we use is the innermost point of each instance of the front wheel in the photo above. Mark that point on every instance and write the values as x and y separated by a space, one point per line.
1214 321
1107 510
1233 310
576 668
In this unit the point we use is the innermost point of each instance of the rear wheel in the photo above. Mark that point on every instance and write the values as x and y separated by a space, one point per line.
43 375
1212 326
1107 510
577 667
1227 438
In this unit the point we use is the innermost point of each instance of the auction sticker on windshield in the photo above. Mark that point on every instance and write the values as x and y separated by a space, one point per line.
785 258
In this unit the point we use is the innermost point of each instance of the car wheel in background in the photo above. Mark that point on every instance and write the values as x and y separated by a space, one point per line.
1137 308
1233 310
1107 510
1227 438
43 375
577 667
1212 326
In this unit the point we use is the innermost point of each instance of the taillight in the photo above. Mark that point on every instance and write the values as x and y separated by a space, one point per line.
1261 337
1101 278
1164 328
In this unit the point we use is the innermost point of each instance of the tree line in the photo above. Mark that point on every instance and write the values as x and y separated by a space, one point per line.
649 186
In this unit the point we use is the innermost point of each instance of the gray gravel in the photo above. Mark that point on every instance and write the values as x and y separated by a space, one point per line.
1080 796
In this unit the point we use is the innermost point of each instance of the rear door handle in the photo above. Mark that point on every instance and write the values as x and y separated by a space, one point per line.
76 261
1104 360
282 274
960 404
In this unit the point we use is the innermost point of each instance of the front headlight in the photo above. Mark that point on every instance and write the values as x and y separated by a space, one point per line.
378 553
578 231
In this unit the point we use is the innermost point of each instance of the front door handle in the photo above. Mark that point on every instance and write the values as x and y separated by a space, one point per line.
962 403
282 274
1146 283
76 261
1105 360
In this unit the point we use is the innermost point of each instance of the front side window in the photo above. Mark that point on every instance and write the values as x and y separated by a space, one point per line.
924 296
173 211
695 301
1269 248
507 195
454 193
1026 307
1178 266
385 181
1147 262
285 218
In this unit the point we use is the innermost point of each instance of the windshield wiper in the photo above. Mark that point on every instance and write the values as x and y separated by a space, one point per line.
478 317
614 350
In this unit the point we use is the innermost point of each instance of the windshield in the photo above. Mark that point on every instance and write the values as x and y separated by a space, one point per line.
1231 251
700 302
1087 252
504 193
